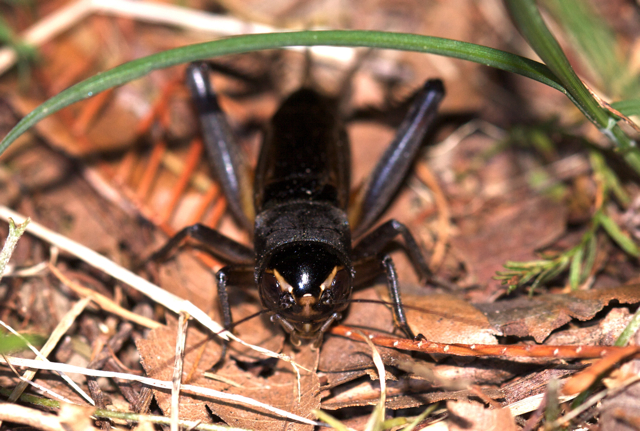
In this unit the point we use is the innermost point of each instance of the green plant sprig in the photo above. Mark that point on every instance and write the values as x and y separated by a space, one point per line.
580 258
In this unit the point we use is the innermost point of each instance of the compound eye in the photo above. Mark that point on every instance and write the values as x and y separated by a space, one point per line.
336 287
286 301
276 293
326 298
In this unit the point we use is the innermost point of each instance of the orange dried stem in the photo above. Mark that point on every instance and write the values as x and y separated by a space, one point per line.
151 171
193 158
217 212
444 229
205 202
513 351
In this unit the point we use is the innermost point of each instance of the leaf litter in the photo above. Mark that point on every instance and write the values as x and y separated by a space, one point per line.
495 215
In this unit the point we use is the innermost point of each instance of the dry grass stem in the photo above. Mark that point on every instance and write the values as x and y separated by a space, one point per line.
62 327
103 302
162 384
15 232
378 414
183 324
31 417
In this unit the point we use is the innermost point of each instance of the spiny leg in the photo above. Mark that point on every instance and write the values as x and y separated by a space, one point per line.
230 275
383 182
379 238
234 275
217 243
374 266
383 235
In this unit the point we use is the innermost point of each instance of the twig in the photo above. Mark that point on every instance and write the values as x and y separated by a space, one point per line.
15 232
475 350
181 339
582 380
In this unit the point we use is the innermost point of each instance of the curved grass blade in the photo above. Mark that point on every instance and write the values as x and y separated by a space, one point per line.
240 44
575 270
595 41
617 235
528 20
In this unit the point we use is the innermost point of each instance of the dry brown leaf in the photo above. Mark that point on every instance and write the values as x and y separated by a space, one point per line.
259 331
157 356
278 390
403 393
445 318
604 333
539 315
505 233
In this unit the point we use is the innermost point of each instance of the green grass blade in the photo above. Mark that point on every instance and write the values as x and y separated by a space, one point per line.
629 331
330 420
13 343
421 417
530 23
618 236
597 44
575 271
590 259
239 44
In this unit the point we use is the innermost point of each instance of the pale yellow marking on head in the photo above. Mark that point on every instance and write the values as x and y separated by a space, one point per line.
284 284
329 280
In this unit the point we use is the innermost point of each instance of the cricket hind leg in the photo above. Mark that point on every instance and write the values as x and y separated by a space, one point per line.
382 184
229 165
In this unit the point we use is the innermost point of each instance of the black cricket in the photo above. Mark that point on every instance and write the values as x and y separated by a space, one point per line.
303 260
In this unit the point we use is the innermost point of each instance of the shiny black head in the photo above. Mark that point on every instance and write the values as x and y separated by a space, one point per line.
305 284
